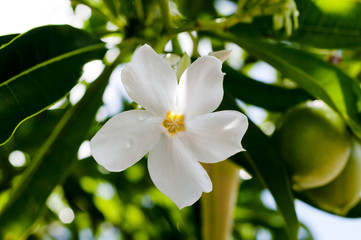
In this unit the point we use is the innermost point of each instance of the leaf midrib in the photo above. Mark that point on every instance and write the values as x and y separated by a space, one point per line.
330 30
55 59
289 66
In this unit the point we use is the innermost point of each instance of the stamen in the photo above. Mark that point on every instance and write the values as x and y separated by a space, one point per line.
174 123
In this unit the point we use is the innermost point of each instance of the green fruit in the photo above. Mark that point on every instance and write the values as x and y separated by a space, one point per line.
343 193
314 143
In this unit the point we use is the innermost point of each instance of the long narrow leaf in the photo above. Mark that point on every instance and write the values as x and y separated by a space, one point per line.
329 23
321 79
53 161
262 159
263 95
267 165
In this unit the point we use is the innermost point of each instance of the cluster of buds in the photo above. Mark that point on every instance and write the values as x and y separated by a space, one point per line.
284 12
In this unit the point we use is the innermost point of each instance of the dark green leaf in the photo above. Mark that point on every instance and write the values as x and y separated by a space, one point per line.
329 23
113 6
322 23
54 161
39 67
321 79
262 159
97 22
7 38
271 170
267 96
198 8
41 125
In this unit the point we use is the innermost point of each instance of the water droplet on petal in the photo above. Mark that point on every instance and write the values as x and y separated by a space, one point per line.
129 143
142 117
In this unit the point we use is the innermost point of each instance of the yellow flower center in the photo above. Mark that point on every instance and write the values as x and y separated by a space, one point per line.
174 123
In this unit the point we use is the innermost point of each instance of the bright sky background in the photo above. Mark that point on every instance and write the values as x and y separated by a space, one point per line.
17 16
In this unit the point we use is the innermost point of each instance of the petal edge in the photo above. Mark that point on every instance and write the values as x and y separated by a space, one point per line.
150 81
125 139
216 136
176 173
200 89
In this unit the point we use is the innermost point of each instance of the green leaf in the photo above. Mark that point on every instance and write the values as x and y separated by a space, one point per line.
329 23
113 6
321 79
55 159
193 9
7 38
262 159
263 95
41 125
38 68
52 163
271 170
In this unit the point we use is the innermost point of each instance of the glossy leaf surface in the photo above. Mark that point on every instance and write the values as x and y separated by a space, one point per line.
319 78
38 68
268 96
329 23
53 162
262 160
322 24
268 167
7 38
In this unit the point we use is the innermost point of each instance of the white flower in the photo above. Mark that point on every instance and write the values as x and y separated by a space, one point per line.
177 128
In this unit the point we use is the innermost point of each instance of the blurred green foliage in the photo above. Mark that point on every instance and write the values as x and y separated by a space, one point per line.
50 191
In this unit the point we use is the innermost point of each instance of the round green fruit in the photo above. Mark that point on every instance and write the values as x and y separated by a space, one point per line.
343 193
315 144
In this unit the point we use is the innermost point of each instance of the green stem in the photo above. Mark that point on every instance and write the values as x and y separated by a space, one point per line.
195 44
218 206
219 24
139 10
240 5
164 7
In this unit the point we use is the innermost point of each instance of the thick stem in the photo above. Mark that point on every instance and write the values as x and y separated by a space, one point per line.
218 206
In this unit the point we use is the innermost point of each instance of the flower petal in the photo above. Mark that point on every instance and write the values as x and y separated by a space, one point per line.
150 81
222 55
200 88
125 139
176 173
214 137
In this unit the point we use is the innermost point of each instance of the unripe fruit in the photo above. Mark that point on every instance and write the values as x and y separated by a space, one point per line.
315 144
343 193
